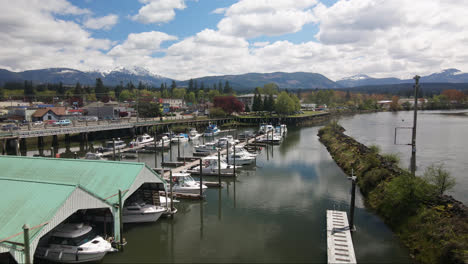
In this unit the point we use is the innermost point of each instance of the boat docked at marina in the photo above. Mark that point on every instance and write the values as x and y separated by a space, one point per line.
140 212
211 130
271 138
109 144
265 128
180 138
73 243
144 139
209 147
193 134
239 159
210 166
222 142
184 183
281 130
93 156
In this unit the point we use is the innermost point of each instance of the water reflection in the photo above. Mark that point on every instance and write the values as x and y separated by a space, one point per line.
440 138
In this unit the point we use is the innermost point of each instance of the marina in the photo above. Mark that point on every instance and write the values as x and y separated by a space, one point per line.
219 189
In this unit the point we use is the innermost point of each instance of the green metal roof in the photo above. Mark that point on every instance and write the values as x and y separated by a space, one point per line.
31 203
101 178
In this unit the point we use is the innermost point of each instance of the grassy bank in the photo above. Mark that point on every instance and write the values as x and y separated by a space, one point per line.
433 227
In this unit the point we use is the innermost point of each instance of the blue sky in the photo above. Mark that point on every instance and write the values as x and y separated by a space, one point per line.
184 39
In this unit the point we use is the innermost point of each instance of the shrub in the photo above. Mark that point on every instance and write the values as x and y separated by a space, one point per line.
372 178
393 158
439 177
374 148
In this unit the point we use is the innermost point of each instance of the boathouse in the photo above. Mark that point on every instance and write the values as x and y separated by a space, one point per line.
40 193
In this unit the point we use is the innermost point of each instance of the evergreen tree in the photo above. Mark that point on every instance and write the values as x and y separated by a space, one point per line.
195 86
190 85
215 87
220 87
173 86
100 90
202 86
78 90
348 95
29 90
60 90
140 86
118 90
227 88
161 89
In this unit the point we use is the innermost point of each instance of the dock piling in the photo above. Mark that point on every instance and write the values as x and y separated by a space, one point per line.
172 197
219 168
113 148
201 177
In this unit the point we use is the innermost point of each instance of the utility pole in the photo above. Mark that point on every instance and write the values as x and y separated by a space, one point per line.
415 121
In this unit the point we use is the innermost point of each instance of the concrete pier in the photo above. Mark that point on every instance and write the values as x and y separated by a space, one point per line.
340 247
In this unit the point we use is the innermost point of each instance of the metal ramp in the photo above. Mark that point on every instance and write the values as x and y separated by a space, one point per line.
339 242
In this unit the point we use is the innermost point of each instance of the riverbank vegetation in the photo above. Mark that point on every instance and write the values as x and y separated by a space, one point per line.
432 225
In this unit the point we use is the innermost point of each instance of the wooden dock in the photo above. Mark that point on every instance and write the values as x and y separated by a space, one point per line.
340 247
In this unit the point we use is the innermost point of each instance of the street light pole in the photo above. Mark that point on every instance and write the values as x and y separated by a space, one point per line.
415 121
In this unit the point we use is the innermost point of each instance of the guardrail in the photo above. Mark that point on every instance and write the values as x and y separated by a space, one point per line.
74 129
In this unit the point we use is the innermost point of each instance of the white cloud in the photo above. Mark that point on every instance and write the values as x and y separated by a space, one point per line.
105 22
261 44
141 44
219 10
32 37
158 11
266 17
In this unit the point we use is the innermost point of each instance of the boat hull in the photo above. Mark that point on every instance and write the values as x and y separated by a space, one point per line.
62 256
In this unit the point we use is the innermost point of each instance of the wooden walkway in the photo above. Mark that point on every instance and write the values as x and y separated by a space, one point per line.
339 242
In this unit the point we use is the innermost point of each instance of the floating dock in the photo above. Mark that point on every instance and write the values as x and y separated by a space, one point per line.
340 247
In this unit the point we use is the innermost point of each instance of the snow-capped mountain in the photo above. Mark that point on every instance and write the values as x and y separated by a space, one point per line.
71 76
445 76
362 80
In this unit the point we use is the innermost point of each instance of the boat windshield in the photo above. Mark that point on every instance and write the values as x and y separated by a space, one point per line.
75 241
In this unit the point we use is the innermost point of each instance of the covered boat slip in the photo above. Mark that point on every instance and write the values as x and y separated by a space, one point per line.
43 192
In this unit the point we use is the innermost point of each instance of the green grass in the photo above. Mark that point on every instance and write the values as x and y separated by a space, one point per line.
266 115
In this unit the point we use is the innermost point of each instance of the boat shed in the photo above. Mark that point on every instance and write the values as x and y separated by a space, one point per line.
41 193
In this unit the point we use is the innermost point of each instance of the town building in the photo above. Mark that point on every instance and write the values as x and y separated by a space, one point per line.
50 113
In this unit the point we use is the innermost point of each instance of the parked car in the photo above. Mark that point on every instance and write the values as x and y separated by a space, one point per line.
9 127
38 123
63 122
49 122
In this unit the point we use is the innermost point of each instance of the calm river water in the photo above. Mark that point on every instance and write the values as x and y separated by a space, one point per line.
440 138
275 212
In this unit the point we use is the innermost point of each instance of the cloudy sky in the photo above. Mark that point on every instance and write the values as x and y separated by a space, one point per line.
184 39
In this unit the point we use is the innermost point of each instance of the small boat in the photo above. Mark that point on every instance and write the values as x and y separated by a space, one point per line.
135 212
209 147
271 138
222 142
184 183
109 145
93 156
246 135
212 130
281 130
144 139
140 212
193 134
264 128
210 166
240 158
243 151
180 138
73 243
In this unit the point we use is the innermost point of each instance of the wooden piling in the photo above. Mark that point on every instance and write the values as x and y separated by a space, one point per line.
27 251
201 177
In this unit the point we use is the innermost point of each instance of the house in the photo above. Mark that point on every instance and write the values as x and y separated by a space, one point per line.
50 113
108 110
308 107
171 103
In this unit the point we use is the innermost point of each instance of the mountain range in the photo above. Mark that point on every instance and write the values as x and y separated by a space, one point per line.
296 80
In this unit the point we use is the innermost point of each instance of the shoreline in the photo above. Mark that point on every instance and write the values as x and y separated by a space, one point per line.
434 228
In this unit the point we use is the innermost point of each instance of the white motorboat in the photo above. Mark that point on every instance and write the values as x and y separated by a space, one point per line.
209 147
184 183
136 212
180 138
264 128
73 243
212 130
140 212
210 166
144 139
109 144
243 151
246 135
240 159
93 156
193 134
271 138
281 130
222 142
